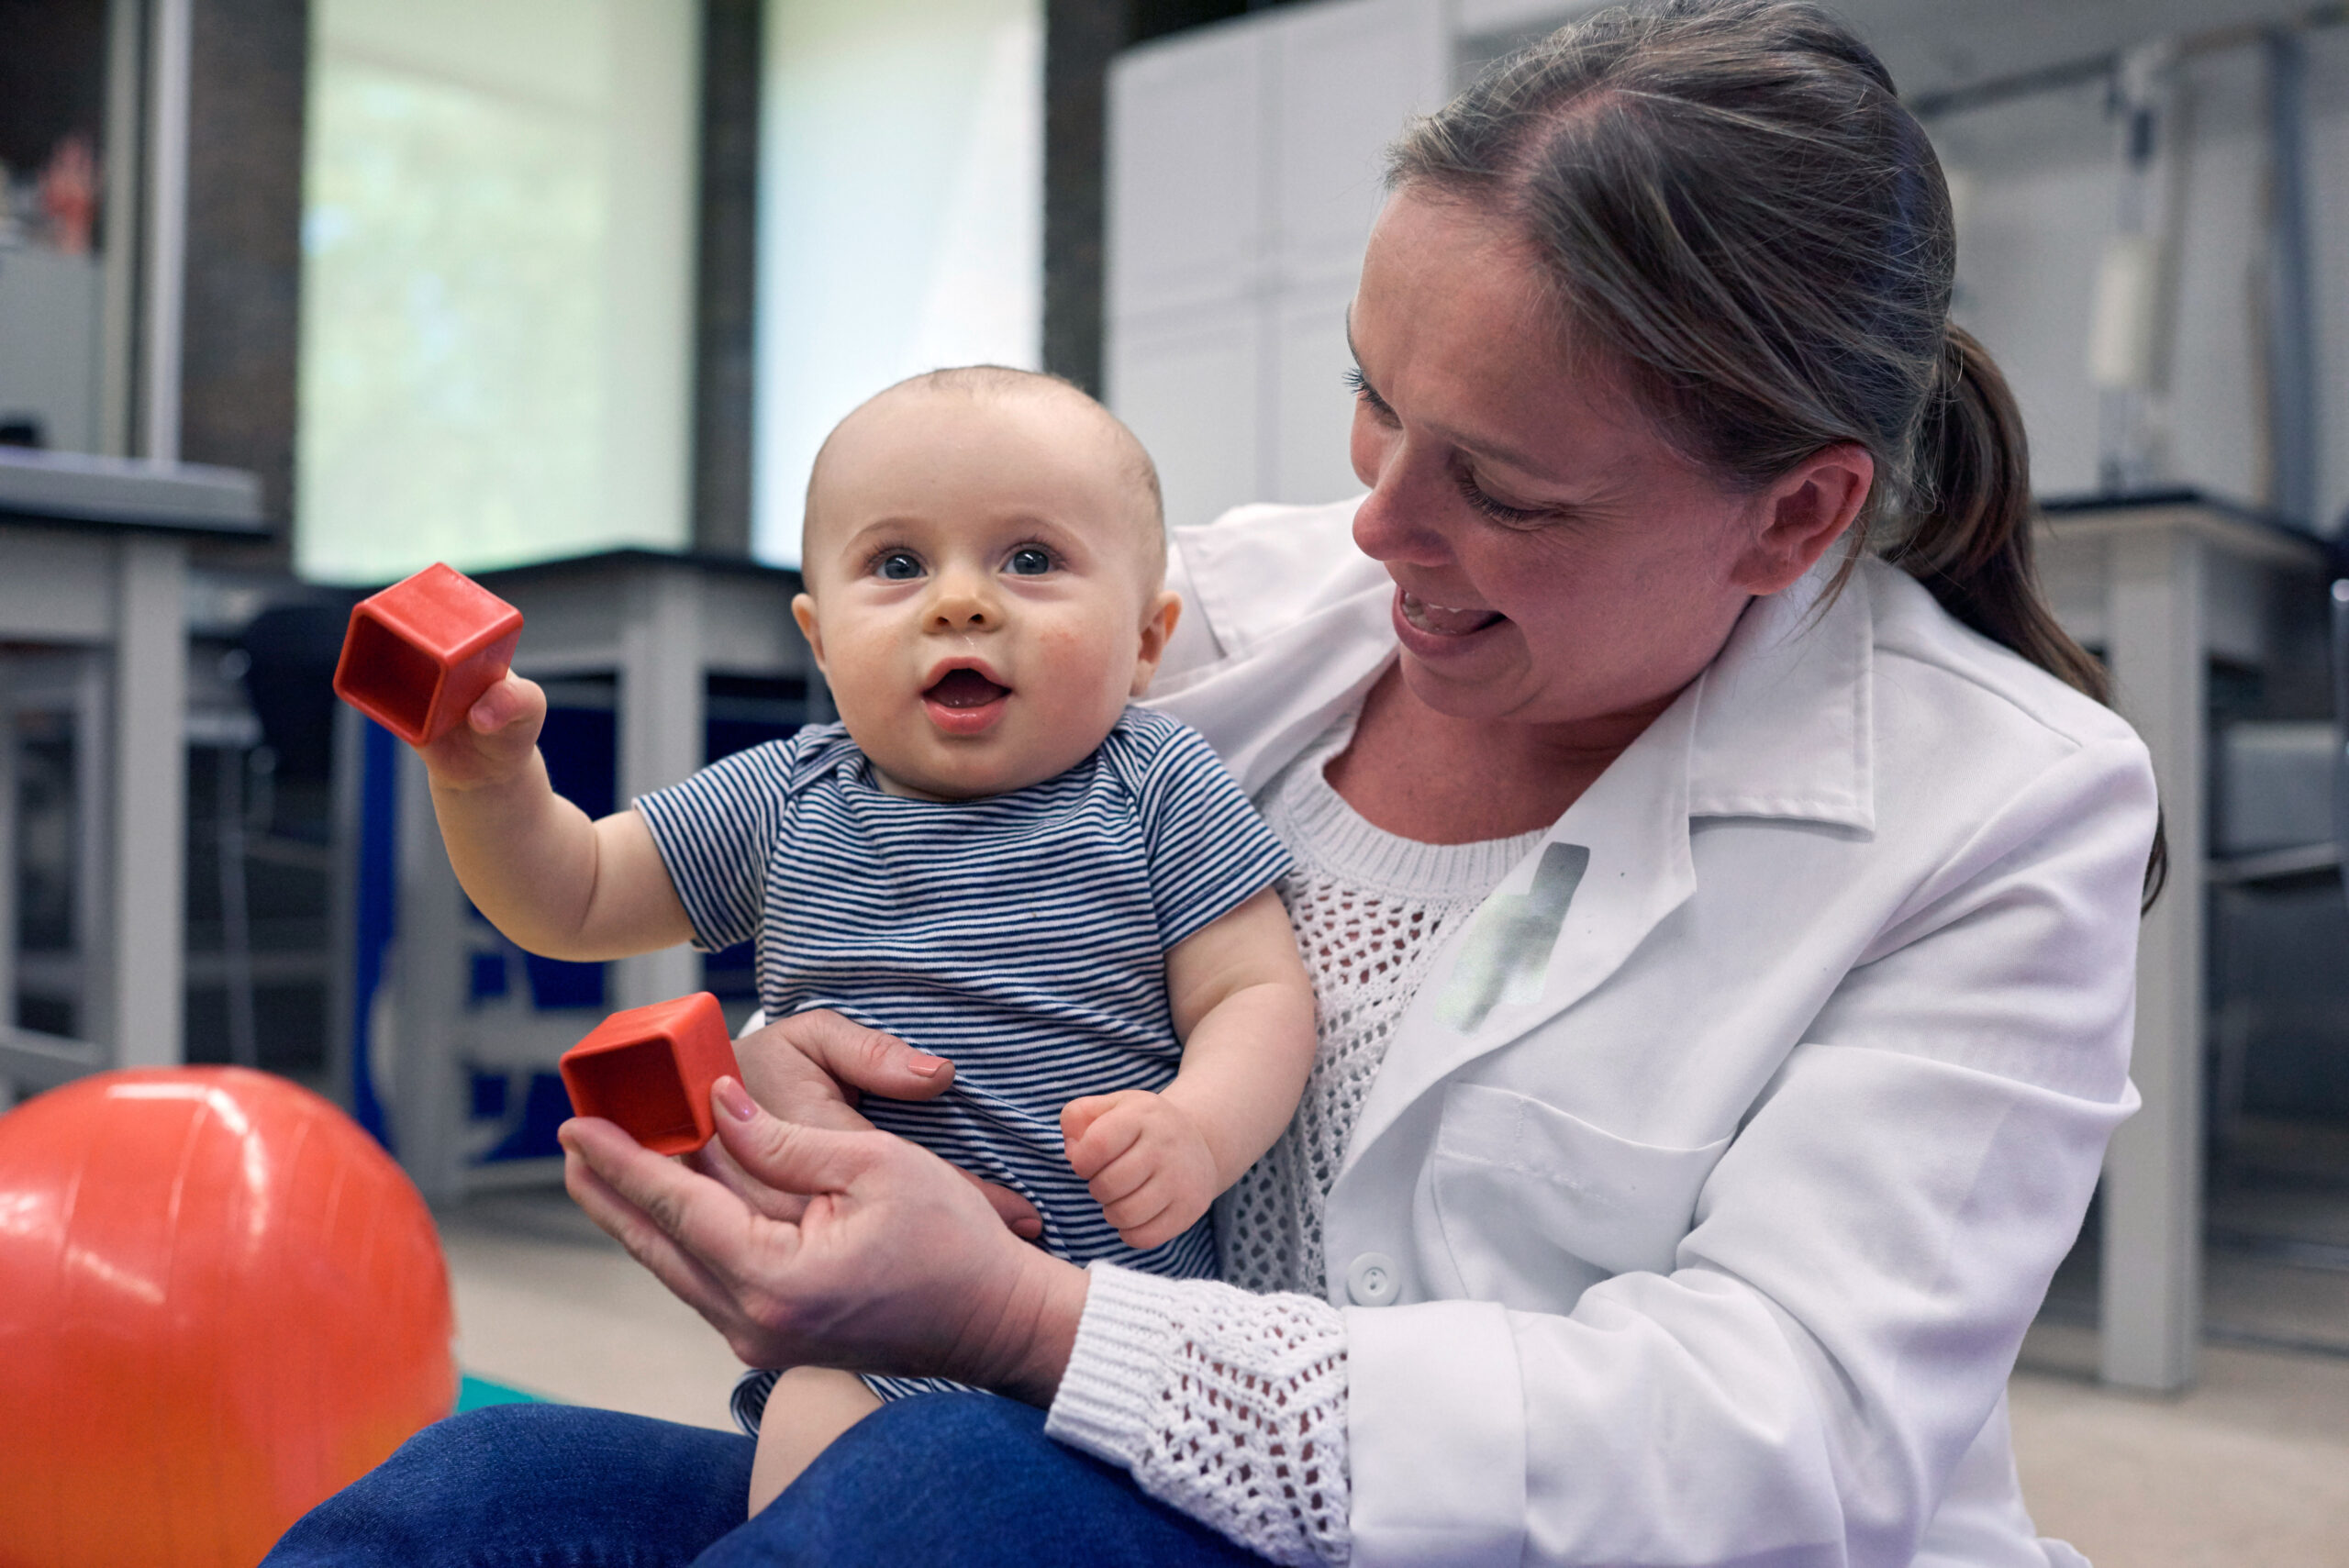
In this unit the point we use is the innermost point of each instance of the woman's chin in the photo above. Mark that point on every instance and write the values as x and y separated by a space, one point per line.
1494 689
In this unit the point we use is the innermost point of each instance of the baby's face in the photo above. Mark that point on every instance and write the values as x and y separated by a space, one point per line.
982 588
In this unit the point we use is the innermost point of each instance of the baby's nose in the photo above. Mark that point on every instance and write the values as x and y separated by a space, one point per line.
961 606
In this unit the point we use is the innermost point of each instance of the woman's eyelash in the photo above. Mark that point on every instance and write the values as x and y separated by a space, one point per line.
1358 384
1498 511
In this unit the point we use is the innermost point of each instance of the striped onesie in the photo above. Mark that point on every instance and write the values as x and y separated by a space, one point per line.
1023 936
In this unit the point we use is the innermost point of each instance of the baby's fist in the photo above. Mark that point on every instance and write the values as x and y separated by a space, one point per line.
495 739
1145 1162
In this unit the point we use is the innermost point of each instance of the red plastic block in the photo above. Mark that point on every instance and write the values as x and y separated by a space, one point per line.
420 653
650 1070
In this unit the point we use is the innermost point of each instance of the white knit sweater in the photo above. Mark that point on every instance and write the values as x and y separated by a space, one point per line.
1231 1405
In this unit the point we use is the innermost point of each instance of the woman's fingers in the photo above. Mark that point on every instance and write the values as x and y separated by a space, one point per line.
645 1241
788 1156
712 1161
788 1081
703 1221
1015 1212
864 1059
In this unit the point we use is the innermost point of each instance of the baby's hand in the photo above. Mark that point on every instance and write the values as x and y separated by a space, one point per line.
1145 1162
495 742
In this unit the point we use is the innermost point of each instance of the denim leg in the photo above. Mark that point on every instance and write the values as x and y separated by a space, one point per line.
966 1481
532 1486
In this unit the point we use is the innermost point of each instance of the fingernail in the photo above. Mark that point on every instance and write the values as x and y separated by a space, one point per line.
926 1066
735 1099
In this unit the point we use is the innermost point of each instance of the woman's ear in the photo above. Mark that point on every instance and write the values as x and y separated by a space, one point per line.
803 610
1157 626
1803 515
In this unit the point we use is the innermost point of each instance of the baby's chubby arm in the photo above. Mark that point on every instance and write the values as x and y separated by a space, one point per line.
555 883
1244 1010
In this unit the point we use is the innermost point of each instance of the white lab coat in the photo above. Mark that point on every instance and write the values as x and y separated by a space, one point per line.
1710 1238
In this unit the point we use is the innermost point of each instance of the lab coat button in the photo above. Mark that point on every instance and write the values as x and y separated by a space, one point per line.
1370 1280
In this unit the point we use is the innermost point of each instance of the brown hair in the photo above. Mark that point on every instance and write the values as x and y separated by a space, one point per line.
1731 200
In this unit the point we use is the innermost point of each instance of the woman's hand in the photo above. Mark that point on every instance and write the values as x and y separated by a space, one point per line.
893 1262
811 1068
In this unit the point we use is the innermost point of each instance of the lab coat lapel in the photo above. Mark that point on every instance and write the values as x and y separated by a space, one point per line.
1778 727
1624 845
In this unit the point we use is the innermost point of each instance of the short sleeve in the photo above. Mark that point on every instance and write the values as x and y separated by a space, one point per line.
716 832
1209 853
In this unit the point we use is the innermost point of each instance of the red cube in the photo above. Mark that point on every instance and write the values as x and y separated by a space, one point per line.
649 1069
420 653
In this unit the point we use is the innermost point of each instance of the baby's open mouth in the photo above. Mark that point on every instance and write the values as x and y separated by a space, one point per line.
965 688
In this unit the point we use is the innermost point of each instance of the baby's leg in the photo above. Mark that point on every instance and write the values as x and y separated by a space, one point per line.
808 1407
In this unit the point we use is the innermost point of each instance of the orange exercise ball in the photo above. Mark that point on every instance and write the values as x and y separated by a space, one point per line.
220 1302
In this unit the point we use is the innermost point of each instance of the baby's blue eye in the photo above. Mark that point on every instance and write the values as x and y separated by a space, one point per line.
898 567
1031 561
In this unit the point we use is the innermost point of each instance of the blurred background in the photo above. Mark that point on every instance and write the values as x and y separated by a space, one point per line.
297 296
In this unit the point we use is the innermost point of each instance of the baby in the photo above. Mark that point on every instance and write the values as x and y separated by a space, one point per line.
991 856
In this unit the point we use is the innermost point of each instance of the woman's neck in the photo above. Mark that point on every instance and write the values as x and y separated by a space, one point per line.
1426 776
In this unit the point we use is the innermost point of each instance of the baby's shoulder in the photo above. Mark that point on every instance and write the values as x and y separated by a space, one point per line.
1168 771
1146 747
783 768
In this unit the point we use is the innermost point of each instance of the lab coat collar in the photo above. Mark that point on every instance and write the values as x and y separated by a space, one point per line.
1784 717
1258 709
1777 726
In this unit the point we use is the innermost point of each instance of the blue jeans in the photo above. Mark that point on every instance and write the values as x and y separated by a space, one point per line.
936 1481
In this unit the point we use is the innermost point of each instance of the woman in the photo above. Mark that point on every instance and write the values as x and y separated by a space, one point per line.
1720 879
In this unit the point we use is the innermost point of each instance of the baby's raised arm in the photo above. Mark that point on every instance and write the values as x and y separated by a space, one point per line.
555 883
1243 1008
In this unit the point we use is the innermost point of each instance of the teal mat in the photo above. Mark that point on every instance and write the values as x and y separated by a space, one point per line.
474 1393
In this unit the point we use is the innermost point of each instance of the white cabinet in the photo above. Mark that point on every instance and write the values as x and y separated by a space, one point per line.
1245 167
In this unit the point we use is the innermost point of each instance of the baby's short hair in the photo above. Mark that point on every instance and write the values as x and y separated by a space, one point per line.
1005 381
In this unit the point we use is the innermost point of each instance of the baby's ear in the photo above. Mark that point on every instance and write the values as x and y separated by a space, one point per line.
1157 626
803 610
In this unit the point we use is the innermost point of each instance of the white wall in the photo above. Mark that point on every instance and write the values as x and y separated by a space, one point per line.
901 215
1245 170
2040 183
496 299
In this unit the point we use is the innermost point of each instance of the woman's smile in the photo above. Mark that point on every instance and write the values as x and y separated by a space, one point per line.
1444 620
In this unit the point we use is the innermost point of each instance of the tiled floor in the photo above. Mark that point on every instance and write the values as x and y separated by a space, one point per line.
2249 1470
548 1304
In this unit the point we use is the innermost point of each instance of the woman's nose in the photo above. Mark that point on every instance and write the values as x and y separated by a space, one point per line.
1394 521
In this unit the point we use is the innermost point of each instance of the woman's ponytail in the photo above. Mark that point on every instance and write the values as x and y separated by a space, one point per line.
1968 536
1969 539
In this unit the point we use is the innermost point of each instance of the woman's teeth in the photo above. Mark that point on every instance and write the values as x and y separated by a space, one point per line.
1444 620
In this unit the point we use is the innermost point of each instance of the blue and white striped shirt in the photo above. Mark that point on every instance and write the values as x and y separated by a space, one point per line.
1023 936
